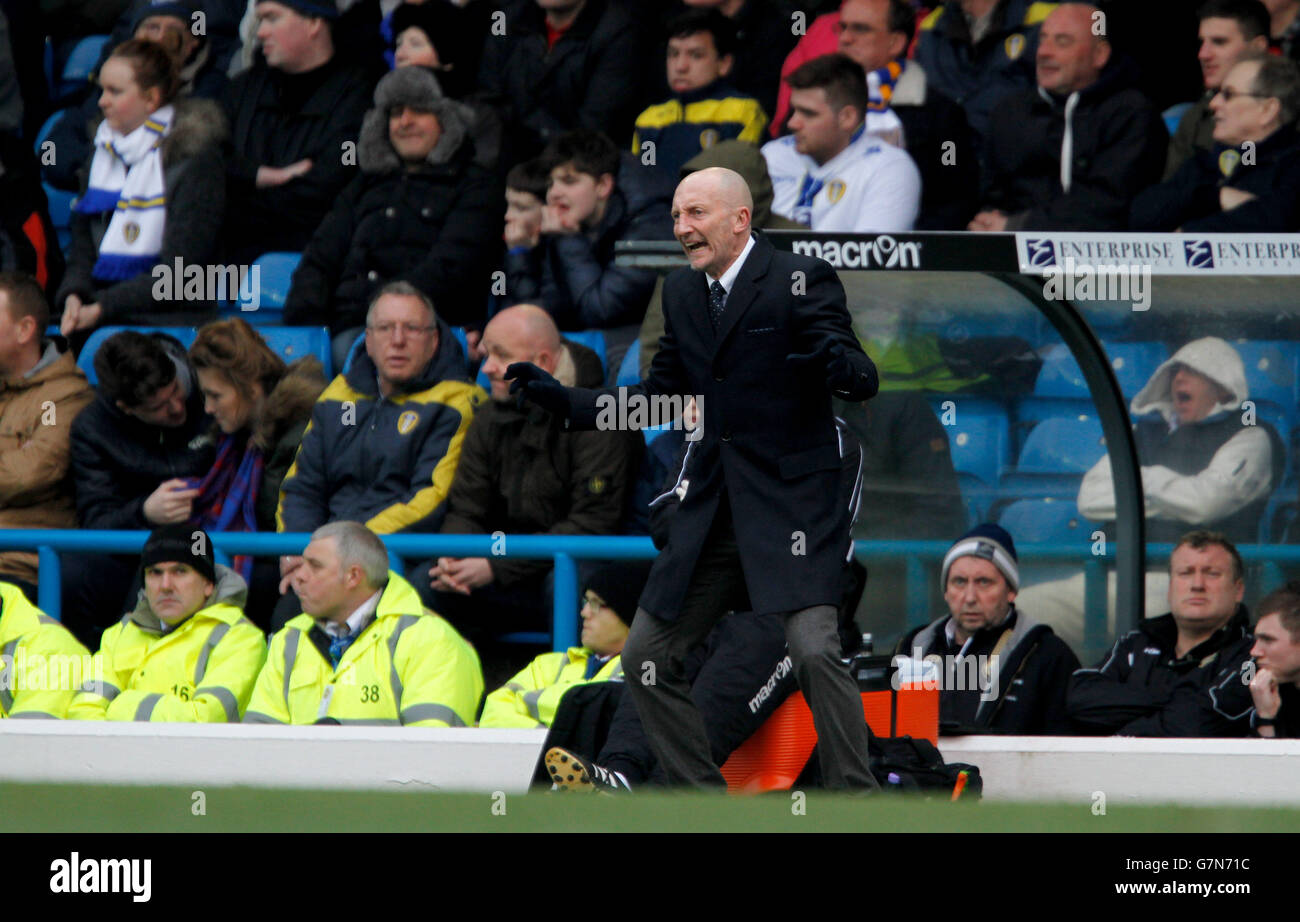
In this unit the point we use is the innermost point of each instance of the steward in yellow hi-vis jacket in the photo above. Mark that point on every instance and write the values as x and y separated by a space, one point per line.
41 664
185 652
365 651
532 697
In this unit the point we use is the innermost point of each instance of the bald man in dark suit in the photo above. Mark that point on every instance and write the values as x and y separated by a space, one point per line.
762 340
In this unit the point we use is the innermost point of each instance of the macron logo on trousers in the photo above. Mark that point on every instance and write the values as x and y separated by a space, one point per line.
103 875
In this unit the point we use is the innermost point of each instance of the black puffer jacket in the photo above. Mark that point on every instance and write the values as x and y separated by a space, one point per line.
1133 691
592 79
437 227
117 460
1118 141
574 277
277 119
1190 198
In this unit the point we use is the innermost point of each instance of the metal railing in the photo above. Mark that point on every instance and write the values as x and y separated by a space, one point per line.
566 550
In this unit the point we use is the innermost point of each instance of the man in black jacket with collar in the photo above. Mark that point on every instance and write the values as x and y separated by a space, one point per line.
761 340
999 671
1070 154
1250 181
1150 683
290 118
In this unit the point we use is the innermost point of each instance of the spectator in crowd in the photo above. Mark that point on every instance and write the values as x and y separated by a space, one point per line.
1132 691
41 392
260 409
531 698
875 34
28 240
704 108
292 117
52 660
596 198
364 634
132 450
526 187
765 34
445 35
420 211
1071 154
1284 27
1202 467
1228 29
831 173
562 66
978 51
1275 686
386 435
185 652
521 472
1000 670
169 23
148 147
1250 182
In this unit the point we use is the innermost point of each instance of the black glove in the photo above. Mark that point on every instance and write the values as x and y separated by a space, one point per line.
845 377
530 383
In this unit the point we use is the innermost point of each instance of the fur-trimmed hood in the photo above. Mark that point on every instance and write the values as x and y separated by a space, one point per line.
411 86
290 402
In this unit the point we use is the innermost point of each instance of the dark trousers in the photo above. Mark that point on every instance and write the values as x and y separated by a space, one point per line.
726 673
97 590
654 660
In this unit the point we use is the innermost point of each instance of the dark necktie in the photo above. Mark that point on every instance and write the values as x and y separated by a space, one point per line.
717 295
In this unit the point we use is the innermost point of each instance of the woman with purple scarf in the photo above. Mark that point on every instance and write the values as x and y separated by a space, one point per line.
261 408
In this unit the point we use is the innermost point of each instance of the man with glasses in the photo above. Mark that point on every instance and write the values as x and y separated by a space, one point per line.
1250 182
385 436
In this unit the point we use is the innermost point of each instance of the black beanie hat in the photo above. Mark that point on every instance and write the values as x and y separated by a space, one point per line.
619 584
176 544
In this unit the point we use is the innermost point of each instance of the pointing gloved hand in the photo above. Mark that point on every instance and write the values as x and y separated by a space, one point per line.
530 383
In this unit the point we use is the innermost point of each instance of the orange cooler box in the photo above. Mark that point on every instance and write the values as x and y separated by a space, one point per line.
774 757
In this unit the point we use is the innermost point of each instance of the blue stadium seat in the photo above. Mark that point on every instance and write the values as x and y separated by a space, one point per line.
60 213
629 370
46 128
1271 369
592 339
1046 520
1062 446
274 276
1133 364
979 437
80 66
86 361
1174 114
292 343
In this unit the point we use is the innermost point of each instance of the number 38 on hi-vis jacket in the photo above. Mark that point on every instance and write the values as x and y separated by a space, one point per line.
407 667
202 670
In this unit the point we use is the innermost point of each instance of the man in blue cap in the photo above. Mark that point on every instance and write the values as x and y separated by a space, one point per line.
999 671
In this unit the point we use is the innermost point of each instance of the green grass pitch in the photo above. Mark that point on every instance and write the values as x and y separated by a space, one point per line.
86 808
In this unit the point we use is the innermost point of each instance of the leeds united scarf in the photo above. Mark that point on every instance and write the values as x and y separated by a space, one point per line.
126 177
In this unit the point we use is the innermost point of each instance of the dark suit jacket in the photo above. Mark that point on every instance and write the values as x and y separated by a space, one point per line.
769 435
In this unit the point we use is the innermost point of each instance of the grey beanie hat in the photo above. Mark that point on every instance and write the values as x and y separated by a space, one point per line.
416 87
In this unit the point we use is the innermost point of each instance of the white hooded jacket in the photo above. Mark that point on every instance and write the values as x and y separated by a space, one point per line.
1240 472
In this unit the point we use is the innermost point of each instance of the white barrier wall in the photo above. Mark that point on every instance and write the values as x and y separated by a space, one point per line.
1136 771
